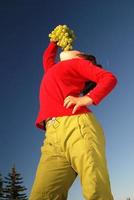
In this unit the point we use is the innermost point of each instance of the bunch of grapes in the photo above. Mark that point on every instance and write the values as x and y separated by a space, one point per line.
64 37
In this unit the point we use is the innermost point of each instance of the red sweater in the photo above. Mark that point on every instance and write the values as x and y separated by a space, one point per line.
66 78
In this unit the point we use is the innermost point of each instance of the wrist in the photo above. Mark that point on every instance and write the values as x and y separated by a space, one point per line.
89 100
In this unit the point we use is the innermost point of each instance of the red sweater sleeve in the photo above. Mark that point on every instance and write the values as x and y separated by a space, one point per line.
105 80
49 55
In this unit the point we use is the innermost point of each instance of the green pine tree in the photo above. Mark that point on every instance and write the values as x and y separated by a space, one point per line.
13 189
1 188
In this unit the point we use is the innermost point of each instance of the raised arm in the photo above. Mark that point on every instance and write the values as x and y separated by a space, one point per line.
105 80
49 56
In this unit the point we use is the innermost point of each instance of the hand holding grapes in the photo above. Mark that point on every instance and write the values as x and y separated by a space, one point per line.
63 36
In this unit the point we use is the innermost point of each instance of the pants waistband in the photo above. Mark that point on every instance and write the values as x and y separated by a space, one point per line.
50 118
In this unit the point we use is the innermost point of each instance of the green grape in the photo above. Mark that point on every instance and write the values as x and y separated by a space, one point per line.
62 33
63 30
64 36
70 40
64 44
62 41
60 28
66 40
54 37
57 33
53 34
66 48
56 28
58 43
65 26
60 36
71 47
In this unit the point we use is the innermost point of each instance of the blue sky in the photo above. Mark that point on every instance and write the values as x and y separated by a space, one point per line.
104 28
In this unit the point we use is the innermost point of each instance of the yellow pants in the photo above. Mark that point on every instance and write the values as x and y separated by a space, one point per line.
73 145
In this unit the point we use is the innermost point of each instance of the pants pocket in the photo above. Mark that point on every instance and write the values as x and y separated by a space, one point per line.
83 125
90 128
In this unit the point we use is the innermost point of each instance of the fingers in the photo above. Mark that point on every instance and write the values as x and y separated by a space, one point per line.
68 102
75 108
71 101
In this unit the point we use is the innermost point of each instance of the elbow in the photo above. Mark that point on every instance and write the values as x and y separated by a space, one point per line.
109 78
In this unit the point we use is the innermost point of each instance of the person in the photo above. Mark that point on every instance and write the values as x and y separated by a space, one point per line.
74 141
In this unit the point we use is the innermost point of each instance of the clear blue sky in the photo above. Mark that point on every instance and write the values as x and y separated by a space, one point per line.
104 28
